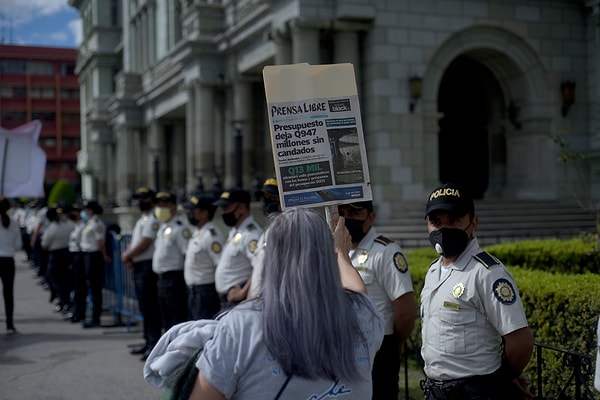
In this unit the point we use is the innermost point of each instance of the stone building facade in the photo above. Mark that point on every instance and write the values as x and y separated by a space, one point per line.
469 91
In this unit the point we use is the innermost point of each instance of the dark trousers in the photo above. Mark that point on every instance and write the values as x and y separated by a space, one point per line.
203 301
386 369
172 295
60 275
7 275
145 281
79 283
94 273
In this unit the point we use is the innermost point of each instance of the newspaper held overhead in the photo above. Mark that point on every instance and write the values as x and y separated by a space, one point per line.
316 134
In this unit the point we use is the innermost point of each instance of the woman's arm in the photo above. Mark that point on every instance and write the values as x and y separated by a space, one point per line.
351 279
203 390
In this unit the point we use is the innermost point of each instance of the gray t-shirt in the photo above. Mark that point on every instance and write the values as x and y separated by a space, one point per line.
236 360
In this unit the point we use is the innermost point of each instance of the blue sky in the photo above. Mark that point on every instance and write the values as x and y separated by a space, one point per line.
39 23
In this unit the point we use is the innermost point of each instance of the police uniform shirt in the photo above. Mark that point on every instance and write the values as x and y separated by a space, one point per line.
203 254
145 227
235 266
56 235
75 236
384 269
465 313
93 231
170 245
257 266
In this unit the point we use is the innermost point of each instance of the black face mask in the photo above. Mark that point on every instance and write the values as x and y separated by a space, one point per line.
230 219
269 206
449 242
191 219
356 228
144 206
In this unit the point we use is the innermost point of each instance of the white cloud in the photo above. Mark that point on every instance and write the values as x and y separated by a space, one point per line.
28 10
75 28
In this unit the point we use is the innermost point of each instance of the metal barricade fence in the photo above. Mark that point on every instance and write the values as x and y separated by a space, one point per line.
119 290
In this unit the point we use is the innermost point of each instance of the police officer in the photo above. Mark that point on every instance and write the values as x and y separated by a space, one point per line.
138 256
168 259
268 196
201 259
233 273
383 266
78 281
55 240
93 249
476 340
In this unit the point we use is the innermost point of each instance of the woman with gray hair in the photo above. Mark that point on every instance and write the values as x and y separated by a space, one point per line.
313 333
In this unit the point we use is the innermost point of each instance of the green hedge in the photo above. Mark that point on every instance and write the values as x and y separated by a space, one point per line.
560 294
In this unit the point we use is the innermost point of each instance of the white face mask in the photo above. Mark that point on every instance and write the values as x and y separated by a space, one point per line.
163 214
84 216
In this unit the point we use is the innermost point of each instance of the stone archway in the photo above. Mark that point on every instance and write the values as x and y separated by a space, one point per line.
467 87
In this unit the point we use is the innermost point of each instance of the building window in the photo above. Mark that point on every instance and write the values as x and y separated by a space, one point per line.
48 142
40 68
69 94
114 13
19 92
6 92
67 69
13 67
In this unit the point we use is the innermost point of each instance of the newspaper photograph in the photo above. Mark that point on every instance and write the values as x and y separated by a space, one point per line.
316 134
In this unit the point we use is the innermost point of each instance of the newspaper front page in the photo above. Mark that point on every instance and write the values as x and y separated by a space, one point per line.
316 134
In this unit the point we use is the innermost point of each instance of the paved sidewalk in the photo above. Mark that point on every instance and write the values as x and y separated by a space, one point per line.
53 359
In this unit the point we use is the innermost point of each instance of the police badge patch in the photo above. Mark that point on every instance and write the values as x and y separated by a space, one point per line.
400 262
186 233
216 247
504 291
252 246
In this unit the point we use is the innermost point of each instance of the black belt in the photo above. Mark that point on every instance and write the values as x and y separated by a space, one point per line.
452 389
168 274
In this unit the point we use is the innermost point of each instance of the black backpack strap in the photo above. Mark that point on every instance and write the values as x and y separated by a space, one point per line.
283 387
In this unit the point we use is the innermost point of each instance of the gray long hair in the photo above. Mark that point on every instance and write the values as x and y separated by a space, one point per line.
309 324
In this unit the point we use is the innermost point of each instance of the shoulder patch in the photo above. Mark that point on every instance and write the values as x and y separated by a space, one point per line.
504 291
384 240
252 245
99 229
155 226
486 259
186 233
400 262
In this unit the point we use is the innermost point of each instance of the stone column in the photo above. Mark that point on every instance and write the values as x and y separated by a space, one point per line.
283 46
346 50
125 164
305 43
191 135
158 160
242 113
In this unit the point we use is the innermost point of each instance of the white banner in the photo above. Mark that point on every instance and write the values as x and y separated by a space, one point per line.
22 161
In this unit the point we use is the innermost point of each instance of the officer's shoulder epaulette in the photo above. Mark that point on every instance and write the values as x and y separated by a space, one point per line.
486 259
384 240
251 227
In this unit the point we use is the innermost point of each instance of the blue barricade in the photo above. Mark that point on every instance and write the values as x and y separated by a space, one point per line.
119 290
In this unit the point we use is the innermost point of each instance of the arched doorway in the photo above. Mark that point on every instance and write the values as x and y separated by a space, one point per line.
469 98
